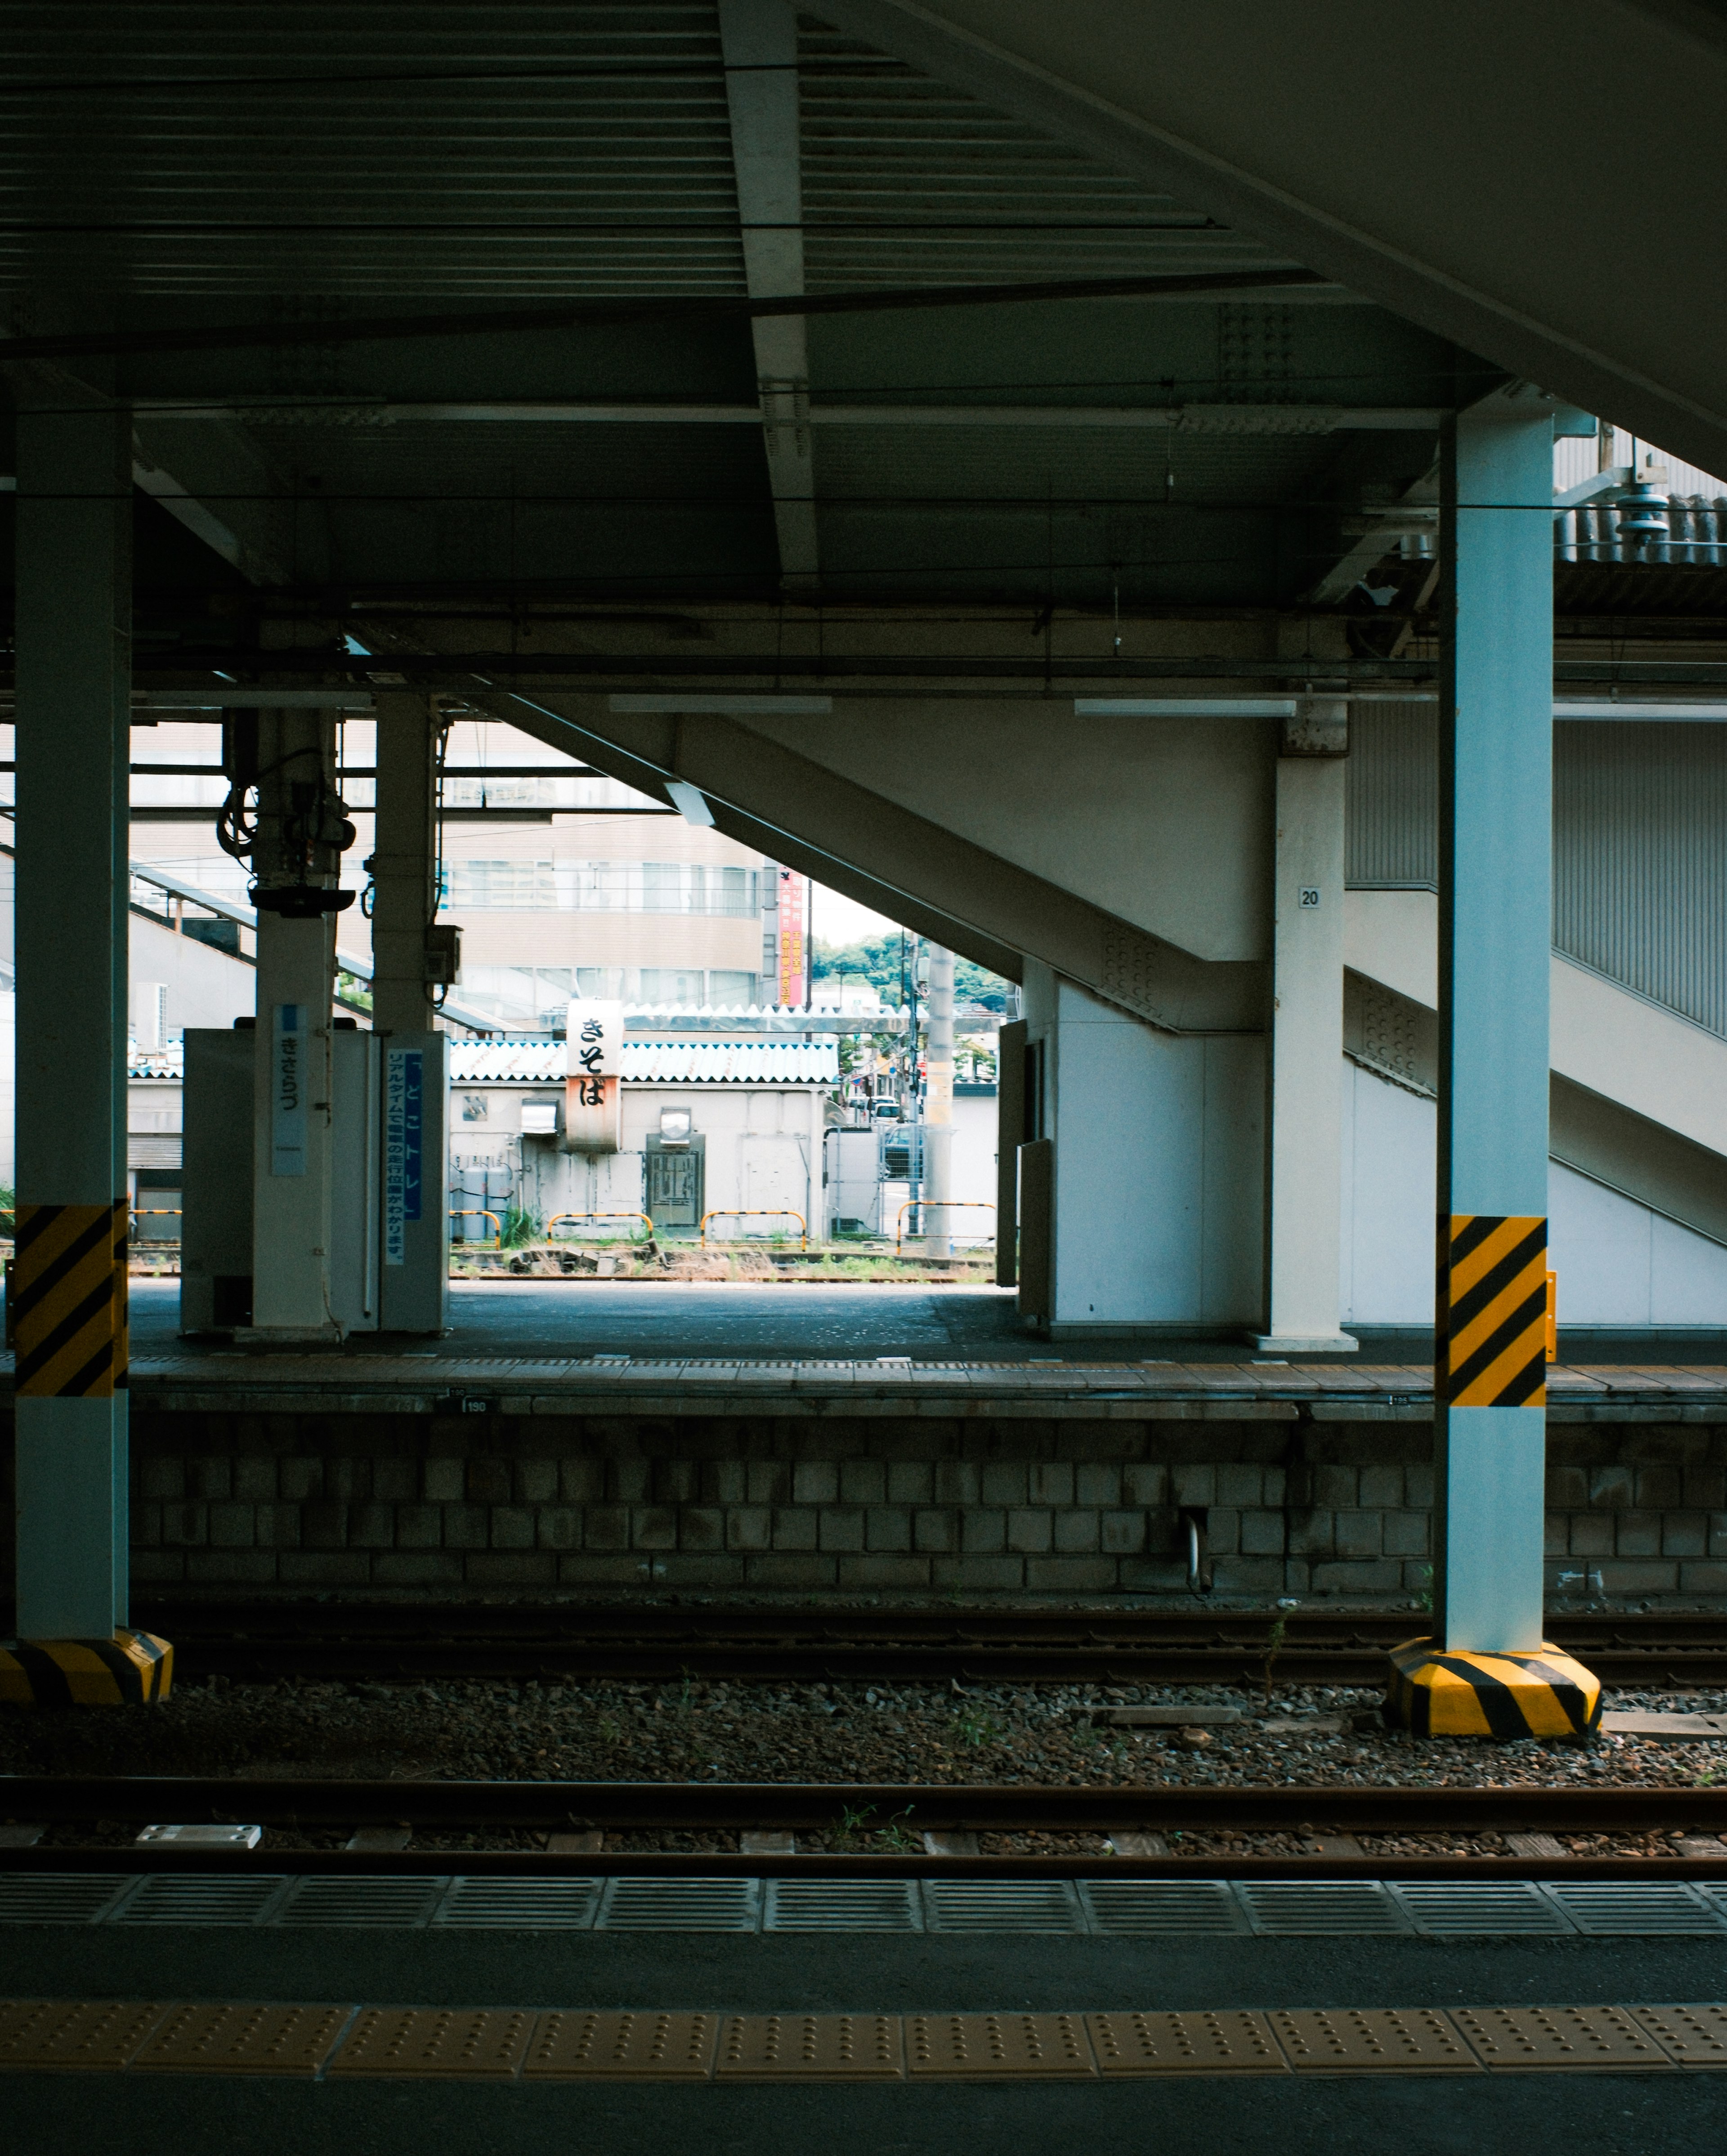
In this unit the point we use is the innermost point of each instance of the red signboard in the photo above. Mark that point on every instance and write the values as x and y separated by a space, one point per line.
794 955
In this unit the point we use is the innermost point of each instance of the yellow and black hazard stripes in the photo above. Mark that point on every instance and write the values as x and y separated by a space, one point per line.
1492 1311
1437 1692
69 1289
129 1670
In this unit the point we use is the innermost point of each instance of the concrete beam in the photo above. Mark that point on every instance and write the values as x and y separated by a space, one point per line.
1426 164
211 476
859 841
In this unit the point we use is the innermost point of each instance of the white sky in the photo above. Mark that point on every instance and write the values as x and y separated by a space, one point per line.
836 920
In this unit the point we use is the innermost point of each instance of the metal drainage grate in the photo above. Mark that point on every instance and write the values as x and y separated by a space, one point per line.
1466 1908
386 1902
1300 1908
1161 1908
680 1905
1635 1907
1001 1905
168 1898
59 1897
842 1905
523 1905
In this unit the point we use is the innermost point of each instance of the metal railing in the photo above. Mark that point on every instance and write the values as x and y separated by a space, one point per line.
478 1213
756 1213
153 1212
557 1217
942 1205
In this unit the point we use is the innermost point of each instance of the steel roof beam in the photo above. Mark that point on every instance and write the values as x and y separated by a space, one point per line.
758 40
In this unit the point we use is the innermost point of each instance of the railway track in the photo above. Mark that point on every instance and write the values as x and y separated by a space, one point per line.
1337 1814
404 1643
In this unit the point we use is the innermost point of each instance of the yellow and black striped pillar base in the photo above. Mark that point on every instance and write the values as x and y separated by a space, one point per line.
69 1286
1435 1692
1492 1311
130 1669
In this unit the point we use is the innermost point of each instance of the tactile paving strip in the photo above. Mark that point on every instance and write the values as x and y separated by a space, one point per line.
1416 2039
623 2046
94 2034
393 2040
852 2047
1694 2036
1564 2036
1184 2043
239 2040
1012 2045
110 2036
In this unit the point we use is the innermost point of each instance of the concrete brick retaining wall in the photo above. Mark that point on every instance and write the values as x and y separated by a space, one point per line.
599 1505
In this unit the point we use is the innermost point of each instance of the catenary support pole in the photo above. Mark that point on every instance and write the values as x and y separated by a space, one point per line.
1484 1669
74 681
1304 1163
292 1086
402 863
938 1107
410 954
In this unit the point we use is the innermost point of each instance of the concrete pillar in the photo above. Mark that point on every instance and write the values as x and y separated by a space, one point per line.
292 1082
1304 1163
74 683
402 863
1495 935
938 1107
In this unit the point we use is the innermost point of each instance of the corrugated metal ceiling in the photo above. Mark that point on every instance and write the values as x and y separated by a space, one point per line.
583 148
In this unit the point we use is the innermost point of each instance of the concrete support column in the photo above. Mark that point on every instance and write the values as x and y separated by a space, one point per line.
292 1087
74 685
1304 1164
402 863
938 1107
1495 937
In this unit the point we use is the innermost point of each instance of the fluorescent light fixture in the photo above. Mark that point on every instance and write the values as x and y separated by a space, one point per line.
813 707
689 801
1596 709
1184 707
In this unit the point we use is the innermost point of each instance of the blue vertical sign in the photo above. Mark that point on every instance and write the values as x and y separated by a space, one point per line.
403 1147
288 1046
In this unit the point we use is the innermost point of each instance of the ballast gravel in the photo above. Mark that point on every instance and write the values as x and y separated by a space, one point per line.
692 1732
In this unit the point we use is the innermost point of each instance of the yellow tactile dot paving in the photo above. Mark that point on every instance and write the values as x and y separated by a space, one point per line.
396 2040
1184 2043
1694 2036
821 2047
963 2046
1564 2036
1414 2039
623 2046
95 2034
240 2040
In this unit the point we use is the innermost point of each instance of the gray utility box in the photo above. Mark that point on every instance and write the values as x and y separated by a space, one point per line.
850 1170
389 1182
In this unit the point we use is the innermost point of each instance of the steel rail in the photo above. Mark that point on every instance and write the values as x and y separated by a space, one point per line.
409 1642
989 1808
634 1864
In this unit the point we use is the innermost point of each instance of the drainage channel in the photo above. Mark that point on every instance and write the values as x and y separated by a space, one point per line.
1102 1908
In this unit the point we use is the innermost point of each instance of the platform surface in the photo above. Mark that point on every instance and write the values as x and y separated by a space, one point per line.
1616 2112
719 1348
